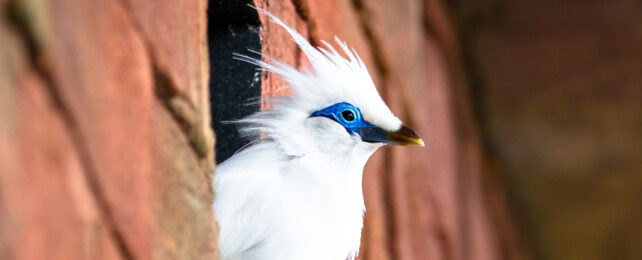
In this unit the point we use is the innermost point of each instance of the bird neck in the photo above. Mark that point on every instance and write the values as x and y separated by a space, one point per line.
340 167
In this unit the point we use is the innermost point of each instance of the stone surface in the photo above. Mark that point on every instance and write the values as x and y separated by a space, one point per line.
104 135
47 207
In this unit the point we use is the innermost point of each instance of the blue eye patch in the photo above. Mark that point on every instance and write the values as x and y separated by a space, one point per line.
350 118
345 114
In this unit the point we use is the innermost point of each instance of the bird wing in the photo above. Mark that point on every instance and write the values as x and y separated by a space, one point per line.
245 187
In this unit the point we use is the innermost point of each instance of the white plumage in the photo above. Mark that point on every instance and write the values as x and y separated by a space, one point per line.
295 193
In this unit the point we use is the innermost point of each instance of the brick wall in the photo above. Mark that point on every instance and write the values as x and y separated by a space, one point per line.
105 145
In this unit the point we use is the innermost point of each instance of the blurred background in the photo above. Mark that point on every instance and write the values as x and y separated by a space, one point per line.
531 112
557 87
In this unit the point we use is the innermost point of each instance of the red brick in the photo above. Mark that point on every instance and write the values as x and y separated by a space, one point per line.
92 149
48 209
175 34
276 43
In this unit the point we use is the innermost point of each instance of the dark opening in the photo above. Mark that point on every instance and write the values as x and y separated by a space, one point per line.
235 86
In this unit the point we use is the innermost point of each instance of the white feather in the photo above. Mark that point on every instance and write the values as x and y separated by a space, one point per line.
296 193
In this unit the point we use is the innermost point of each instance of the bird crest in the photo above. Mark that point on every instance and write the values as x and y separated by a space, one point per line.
331 79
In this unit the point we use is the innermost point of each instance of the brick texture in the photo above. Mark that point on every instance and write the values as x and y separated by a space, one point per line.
104 139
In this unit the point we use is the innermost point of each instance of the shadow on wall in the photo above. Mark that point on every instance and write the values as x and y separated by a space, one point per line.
235 86
560 102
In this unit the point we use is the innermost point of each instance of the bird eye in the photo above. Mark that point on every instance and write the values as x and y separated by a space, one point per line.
348 115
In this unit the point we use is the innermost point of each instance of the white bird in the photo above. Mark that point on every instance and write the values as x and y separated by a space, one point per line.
295 192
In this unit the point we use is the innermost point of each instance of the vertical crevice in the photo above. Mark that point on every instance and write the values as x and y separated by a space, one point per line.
302 9
438 28
376 48
444 241
233 27
177 104
386 182
181 109
89 170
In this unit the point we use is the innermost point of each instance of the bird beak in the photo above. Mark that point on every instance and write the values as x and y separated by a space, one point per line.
403 136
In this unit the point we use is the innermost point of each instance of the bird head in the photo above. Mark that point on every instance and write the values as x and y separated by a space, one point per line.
334 109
